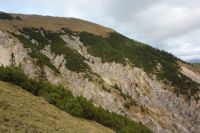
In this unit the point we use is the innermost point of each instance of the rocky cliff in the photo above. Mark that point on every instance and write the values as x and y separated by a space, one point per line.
119 74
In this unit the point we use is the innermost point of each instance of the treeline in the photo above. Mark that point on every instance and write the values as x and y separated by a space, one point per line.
64 100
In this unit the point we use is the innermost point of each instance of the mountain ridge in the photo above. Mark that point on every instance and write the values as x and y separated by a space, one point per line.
54 23
117 73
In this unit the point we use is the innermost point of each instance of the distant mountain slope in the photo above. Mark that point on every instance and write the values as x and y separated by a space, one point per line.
194 61
54 24
196 64
117 73
20 112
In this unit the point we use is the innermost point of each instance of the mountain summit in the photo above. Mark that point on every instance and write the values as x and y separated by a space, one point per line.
114 72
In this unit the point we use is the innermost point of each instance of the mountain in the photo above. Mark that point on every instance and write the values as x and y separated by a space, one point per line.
194 61
121 75
32 114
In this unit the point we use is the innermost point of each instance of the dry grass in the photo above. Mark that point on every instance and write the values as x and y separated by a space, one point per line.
22 112
54 24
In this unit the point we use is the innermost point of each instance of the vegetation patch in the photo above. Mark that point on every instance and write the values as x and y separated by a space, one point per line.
116 87
75 62
37 35
129 103
115 47
69 31
34 52
6 16
64 100
99 47
23 112
120 49
18 18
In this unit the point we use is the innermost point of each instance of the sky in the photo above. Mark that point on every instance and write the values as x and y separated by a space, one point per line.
171 25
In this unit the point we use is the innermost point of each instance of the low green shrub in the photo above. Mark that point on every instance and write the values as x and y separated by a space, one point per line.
75 62
34 53
5 16
121 49
69 31
64 100
18 18
99 47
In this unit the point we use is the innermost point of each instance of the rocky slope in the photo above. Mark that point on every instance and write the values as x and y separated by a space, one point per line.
122 75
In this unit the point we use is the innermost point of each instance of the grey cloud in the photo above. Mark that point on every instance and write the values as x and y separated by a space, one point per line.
167 25
172 25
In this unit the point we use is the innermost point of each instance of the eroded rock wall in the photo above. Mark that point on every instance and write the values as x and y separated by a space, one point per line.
153 103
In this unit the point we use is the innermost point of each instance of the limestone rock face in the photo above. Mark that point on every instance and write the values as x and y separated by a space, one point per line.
163 108
193 75
13 52
112 85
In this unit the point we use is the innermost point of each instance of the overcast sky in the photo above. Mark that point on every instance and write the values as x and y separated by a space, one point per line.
172 25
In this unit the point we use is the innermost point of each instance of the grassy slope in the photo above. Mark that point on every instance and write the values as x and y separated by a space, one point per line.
51 23
34 114
76 106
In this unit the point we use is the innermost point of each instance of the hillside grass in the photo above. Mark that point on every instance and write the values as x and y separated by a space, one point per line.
64 100
120 49
22 112
53 24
